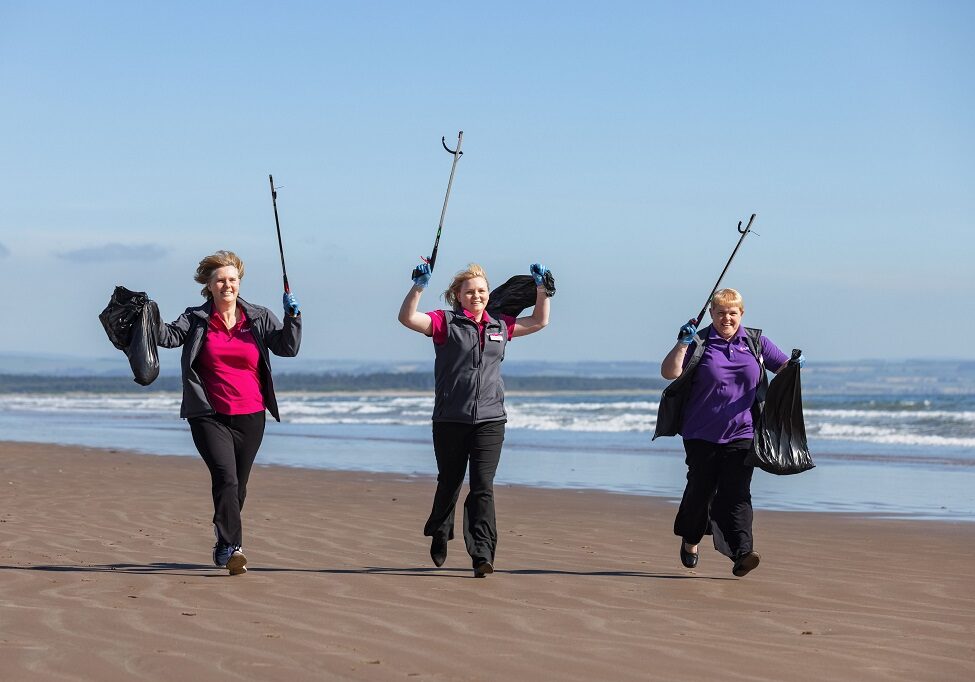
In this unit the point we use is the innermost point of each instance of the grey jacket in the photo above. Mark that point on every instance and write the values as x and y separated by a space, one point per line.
189 331
468 378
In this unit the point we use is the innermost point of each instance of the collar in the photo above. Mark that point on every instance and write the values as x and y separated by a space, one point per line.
738 336
204 311
217 320
485 318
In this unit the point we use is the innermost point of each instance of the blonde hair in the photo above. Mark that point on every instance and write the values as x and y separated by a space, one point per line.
453 291
727 298
212 263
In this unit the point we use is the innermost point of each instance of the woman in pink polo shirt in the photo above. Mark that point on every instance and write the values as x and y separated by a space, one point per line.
468 413
227 387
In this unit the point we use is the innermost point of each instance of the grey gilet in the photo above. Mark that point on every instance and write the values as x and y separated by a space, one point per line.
468 378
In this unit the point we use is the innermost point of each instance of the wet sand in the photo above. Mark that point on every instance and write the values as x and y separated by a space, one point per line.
105 574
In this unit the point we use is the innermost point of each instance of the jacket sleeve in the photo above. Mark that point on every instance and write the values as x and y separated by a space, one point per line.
283 340
173 334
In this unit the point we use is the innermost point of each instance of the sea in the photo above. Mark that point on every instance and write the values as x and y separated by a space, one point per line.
889 439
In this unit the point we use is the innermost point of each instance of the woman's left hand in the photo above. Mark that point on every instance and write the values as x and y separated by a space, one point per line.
291 306
538 272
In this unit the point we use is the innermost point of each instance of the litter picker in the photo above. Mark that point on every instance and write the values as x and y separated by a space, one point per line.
744 233
457 153
277 223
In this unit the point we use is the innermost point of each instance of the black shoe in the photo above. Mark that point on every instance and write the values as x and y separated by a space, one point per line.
745 564
438 551
687 558
482 567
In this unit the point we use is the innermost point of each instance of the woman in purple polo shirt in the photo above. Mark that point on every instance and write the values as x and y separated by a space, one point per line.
227 387
721 384
468 412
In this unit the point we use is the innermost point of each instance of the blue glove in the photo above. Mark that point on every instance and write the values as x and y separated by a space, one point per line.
421 275
801 360
687 332
291 305
538 272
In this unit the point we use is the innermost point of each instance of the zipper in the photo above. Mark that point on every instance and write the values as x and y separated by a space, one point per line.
194 352
478 353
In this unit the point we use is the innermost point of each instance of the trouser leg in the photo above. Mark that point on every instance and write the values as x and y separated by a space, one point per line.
732 505
451 450
248 430
229 454
480 527
693 515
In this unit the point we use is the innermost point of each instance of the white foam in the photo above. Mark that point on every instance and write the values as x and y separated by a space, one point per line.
91 403
887 436
387 421
889 415
521 418
918 428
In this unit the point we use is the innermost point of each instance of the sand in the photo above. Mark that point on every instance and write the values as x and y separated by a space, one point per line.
105 574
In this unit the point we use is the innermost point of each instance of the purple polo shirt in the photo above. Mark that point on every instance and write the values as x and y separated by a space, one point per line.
718 409
228 366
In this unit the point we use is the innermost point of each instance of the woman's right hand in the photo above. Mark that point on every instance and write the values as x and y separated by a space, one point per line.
687 332
421 275
409 317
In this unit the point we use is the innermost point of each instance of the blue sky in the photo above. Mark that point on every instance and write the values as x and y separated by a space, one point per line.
617 143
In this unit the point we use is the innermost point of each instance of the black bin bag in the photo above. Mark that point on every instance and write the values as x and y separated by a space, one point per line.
518 293
130 319
780 436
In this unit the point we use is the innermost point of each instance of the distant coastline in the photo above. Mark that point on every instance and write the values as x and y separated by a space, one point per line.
45 374
324 383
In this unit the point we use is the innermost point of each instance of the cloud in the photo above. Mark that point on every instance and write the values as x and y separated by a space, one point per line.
4 251
114 252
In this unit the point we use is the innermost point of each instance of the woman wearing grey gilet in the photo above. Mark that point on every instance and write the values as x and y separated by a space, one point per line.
468 412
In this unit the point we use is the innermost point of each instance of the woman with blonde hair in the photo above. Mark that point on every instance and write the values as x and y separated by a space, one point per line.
468 414
227 387
718 390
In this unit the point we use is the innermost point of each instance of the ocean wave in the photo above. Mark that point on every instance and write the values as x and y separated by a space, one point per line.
633 406
886 436
91 403
892 415
321 409
562 422
921 428
365 421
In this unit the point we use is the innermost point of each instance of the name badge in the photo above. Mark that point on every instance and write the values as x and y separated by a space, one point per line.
495 337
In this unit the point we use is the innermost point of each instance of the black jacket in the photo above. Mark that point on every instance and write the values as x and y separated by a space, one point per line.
189 331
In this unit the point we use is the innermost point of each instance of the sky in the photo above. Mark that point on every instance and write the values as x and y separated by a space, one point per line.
618 143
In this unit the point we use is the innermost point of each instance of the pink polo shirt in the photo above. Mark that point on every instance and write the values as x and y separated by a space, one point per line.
439 321
227 365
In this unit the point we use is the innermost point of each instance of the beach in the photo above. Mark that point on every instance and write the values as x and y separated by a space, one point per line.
105 574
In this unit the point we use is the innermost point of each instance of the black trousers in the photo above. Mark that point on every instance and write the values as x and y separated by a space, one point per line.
456 445
228 444
718 491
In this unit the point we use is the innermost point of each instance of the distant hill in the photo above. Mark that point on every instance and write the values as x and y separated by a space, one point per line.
117 365
20 373
381 381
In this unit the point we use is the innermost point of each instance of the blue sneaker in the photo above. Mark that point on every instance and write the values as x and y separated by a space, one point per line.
222 553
